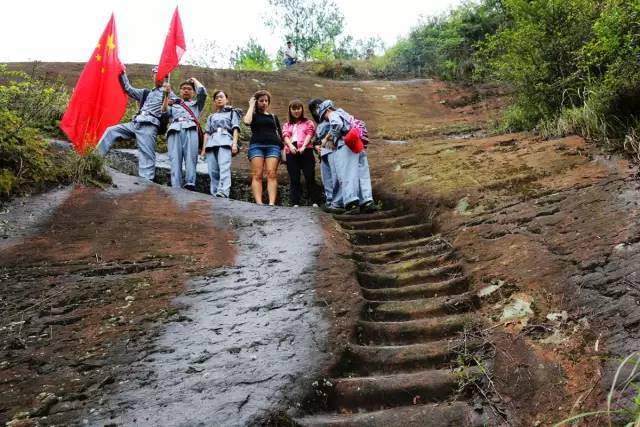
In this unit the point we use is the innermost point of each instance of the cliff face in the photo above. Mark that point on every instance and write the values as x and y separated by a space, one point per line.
552 223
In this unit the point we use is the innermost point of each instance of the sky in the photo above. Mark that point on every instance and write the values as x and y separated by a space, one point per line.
67 30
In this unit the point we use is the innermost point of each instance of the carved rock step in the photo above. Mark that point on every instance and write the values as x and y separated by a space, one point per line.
433 248
410 331
416 263
363 249
380 392
420 308
370 360
394 234
394 280
365 217
454 414
456 285
395 221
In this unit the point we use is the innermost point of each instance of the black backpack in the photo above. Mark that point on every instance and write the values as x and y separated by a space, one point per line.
164 117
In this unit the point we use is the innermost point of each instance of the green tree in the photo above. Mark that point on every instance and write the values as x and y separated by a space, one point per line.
538 54
252 56
306 24
445 46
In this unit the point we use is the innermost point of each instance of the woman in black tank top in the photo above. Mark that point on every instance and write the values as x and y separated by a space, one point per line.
265 146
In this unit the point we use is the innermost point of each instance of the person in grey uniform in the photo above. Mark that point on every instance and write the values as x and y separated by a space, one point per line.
328 173
182 135
221 134
331 186
352 169
144 126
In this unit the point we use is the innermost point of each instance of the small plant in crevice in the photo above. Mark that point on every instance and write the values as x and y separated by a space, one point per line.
623 399
323 389
472 368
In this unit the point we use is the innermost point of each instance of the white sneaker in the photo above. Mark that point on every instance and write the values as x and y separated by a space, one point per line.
315 205
296 206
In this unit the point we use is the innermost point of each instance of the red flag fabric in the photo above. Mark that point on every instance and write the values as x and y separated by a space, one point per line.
174 47
98 100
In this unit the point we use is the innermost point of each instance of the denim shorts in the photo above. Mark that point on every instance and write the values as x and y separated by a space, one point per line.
263 150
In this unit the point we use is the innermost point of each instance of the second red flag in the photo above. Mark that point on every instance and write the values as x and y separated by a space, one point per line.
174 47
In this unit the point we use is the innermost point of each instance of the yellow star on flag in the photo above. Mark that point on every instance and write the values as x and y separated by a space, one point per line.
98 57
110 44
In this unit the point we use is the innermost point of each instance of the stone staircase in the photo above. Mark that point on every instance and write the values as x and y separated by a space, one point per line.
417 303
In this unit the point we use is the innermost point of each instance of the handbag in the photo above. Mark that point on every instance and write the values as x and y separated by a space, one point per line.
276 123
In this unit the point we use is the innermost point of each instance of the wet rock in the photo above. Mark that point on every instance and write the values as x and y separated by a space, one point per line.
255 332
45 403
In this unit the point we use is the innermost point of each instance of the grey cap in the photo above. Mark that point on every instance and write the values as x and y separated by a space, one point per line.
322 108
154 69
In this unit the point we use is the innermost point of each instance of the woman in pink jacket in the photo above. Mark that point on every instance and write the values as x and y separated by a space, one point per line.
297 134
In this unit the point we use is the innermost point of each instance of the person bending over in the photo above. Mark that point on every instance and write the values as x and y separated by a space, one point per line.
352 169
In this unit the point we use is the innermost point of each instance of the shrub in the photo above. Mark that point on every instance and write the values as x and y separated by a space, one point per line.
39 103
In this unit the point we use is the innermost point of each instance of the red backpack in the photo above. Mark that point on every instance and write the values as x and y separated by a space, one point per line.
357 138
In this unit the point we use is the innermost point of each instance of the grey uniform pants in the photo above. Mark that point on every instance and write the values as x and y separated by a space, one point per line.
348 173
183 147
365 194
145 135
330 181
219 161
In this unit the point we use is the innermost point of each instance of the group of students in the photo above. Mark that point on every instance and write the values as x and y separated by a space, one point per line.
336 136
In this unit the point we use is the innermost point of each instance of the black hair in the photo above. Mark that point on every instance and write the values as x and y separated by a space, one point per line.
220 91
313 108
188 83
292 104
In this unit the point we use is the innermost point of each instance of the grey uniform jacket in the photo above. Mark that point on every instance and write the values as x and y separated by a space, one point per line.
179 118
321 131
151 111
220 126
339 124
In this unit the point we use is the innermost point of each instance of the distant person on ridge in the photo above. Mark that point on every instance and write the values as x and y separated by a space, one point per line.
221 143
143 127
351 163
182 135
290 56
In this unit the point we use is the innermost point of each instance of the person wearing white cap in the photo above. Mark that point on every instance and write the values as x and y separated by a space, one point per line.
352 169
143 127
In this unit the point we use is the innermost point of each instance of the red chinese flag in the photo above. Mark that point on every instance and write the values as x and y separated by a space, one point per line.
98 100
174 47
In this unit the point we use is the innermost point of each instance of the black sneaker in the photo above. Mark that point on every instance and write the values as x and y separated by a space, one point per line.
352 209
332 210
190 187
369 207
